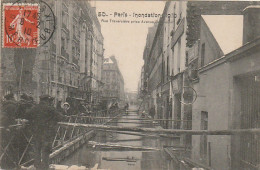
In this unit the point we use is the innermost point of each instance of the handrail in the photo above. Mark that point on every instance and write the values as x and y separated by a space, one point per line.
61 135
166 131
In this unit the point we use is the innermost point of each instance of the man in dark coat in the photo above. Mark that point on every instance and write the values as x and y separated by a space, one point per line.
43 119
24 105
81 108
9 111
8 116
58 106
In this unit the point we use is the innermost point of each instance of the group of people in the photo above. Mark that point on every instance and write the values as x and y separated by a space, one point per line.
68 109
41 122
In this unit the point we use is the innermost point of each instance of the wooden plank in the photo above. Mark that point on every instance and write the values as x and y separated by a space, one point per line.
167 131
139 134
115 145
127 159
78 139
196 164
149 122
143 119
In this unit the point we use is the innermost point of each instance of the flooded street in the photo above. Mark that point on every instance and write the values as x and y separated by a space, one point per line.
118 158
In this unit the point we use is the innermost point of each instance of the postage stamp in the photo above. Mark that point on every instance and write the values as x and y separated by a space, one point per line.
21 25
27 25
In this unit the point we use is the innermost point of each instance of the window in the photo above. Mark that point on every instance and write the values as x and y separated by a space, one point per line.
202 54
179 56
203 138
74 29
70 80
73 50
64 77
59 72
78 31
65 15
167 68
62 42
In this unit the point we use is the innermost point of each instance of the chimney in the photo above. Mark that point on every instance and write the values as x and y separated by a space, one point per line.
251 24
113 58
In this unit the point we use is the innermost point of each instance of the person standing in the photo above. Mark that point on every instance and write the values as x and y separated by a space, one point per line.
126 106
152 111
58 106
81 108
8 116
67 109
9 111
43 119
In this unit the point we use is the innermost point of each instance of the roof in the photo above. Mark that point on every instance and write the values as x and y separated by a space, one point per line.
108 61
251 7
227 30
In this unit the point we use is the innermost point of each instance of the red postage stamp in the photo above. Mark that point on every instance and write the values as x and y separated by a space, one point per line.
20 25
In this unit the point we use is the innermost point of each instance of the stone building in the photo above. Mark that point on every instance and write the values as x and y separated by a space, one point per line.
190 78
164 62
97 60
227 88
140 90
68 65
113 90
152 67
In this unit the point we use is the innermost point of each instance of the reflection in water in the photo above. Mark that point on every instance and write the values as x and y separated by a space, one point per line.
116 159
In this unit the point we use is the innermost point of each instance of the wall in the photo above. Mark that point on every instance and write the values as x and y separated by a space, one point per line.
213 91
248 66
218 94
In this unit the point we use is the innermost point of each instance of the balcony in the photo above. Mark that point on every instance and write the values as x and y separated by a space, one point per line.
60 79
64 27
187 124
75 37
64 53
53 48
75 61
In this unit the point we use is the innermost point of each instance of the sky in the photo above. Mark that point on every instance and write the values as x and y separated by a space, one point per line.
227 30
126 41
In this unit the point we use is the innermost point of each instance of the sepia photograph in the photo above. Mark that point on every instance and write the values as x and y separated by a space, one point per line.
129 85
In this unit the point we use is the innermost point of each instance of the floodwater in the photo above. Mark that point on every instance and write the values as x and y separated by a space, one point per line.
127 158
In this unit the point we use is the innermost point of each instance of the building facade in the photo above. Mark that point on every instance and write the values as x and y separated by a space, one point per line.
164 62
68 65
228 90
189 77
113 90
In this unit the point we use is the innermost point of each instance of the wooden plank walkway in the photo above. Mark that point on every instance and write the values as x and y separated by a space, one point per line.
166 131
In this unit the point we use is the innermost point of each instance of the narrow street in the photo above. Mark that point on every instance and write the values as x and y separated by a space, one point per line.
141 85
124 158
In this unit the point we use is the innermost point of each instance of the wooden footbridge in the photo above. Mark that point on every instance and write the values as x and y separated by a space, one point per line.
80 129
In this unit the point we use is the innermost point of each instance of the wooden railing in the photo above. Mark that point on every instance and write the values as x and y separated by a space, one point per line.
22 134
